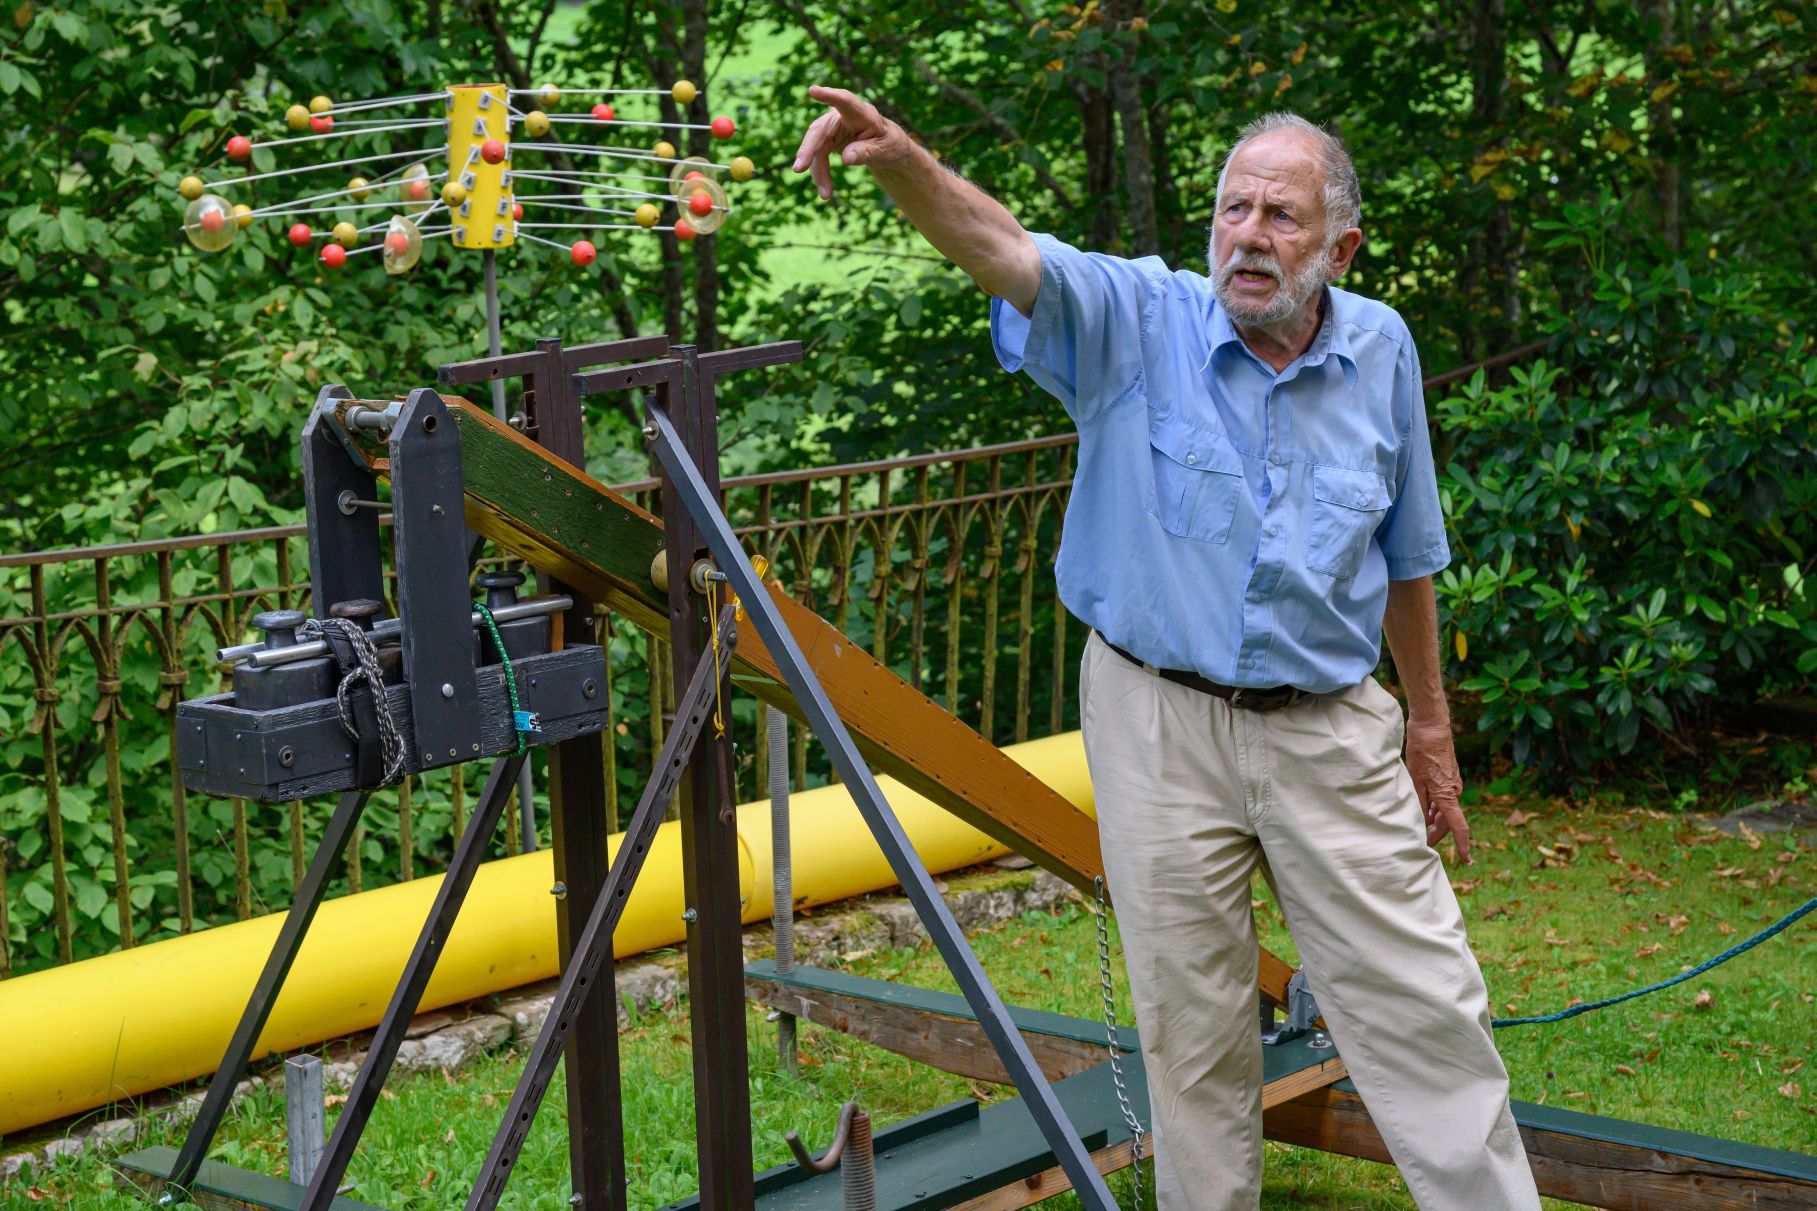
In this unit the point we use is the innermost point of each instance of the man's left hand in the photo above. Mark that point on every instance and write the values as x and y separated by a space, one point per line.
1432 760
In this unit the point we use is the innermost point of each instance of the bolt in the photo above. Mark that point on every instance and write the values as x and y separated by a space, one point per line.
1320 1041
447 690
559 891
650 433
452 752
690 916
287 756
588 689
574 1200
437 509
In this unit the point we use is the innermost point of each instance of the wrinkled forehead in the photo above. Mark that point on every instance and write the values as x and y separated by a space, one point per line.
1282 165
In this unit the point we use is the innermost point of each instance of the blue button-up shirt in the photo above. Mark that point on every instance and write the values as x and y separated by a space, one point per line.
1224 518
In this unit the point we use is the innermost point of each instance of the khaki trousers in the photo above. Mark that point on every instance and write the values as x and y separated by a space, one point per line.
1193 796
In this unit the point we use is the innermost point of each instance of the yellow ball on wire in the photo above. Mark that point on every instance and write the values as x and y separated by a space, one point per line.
320 104
664 150
190 188
742 168
358 190
297 117
345 234
453 194
647 214
242 214
536 124
684 92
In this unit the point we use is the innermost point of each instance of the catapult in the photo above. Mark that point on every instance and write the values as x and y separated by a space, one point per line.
353 699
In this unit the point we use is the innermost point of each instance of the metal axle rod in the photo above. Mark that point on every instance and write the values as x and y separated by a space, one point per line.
262 657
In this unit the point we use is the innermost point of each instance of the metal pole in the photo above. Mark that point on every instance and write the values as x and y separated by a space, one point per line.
303 1113
526 802
782 910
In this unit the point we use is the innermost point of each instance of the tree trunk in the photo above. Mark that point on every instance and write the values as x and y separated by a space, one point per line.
1662 141
1132 121
1168 211
700 143
1491 274
1096 118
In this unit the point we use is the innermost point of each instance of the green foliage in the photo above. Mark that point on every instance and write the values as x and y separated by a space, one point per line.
1633 529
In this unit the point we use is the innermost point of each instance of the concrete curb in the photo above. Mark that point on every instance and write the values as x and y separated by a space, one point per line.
450 1038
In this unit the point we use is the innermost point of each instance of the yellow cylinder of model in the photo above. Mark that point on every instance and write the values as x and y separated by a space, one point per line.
119 1025
113 1027
478 126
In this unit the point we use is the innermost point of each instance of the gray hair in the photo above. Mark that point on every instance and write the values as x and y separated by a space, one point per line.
1343 195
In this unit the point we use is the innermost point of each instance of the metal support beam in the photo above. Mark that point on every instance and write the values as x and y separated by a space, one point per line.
265 992
382 1051
703 507
589 968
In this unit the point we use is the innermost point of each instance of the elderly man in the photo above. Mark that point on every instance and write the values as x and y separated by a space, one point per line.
1255 506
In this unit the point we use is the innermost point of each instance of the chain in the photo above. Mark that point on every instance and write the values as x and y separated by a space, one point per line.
1136 1134
366 667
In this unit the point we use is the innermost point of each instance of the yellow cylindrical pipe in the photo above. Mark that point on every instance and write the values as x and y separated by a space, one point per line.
116 1026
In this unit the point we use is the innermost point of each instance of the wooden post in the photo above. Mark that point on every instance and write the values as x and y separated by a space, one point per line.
709 835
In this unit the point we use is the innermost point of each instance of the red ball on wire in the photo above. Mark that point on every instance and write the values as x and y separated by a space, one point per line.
492 151
583 253
683 232
300 235
696 175
723 128
239 148
322 123
334 256
517 211
603 112
397 243
701 203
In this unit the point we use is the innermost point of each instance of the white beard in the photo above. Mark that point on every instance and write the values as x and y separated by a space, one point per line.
1290 294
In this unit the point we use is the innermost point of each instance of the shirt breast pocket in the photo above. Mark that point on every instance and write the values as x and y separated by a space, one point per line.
1347 506
1197 481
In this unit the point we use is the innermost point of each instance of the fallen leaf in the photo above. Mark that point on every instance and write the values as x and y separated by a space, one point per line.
1790 1089
1518 818
1498 910
1749 835
1790 1066
1725 928
1576 1094
428 1179
1624 1069
335 1099
1676 922
1464 887
1704 1000
1654 949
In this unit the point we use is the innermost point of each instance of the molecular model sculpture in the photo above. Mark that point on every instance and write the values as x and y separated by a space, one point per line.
468 188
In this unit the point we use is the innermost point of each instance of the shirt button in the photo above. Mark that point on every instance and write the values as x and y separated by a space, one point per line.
1191 459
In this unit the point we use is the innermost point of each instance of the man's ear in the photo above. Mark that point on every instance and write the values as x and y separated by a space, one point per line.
1344 251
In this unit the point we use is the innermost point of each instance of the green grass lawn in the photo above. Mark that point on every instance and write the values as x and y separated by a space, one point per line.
1562 904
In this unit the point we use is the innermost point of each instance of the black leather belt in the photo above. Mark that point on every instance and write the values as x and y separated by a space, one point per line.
1273 698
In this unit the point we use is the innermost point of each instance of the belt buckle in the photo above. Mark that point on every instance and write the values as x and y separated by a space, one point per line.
1237 695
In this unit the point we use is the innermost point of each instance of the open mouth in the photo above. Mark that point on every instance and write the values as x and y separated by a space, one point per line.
1253 279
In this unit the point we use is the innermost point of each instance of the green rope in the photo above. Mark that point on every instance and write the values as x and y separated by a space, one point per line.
522 721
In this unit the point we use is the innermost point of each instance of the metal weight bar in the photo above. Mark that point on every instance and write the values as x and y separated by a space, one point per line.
264 994
594 946
382 1052
982 996
262 657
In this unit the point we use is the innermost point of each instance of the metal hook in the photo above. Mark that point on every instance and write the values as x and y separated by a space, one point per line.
830 1158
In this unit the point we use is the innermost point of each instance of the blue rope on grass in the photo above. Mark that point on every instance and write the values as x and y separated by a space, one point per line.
1778 926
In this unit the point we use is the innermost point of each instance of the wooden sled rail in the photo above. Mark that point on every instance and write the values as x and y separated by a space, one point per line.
563 522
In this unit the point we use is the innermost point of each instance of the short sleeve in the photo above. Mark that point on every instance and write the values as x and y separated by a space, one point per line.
1412 535
1083 341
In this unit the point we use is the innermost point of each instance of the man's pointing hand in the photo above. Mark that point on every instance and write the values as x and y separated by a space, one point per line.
853 130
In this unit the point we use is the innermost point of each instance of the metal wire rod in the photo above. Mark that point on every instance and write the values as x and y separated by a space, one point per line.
348 134
291 172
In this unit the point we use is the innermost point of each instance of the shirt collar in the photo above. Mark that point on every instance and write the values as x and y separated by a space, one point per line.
1332 339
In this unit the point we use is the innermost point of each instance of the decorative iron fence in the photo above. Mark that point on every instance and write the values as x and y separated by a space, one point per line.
939 564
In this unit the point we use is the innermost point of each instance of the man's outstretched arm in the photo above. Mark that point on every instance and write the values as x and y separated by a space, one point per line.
962 222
